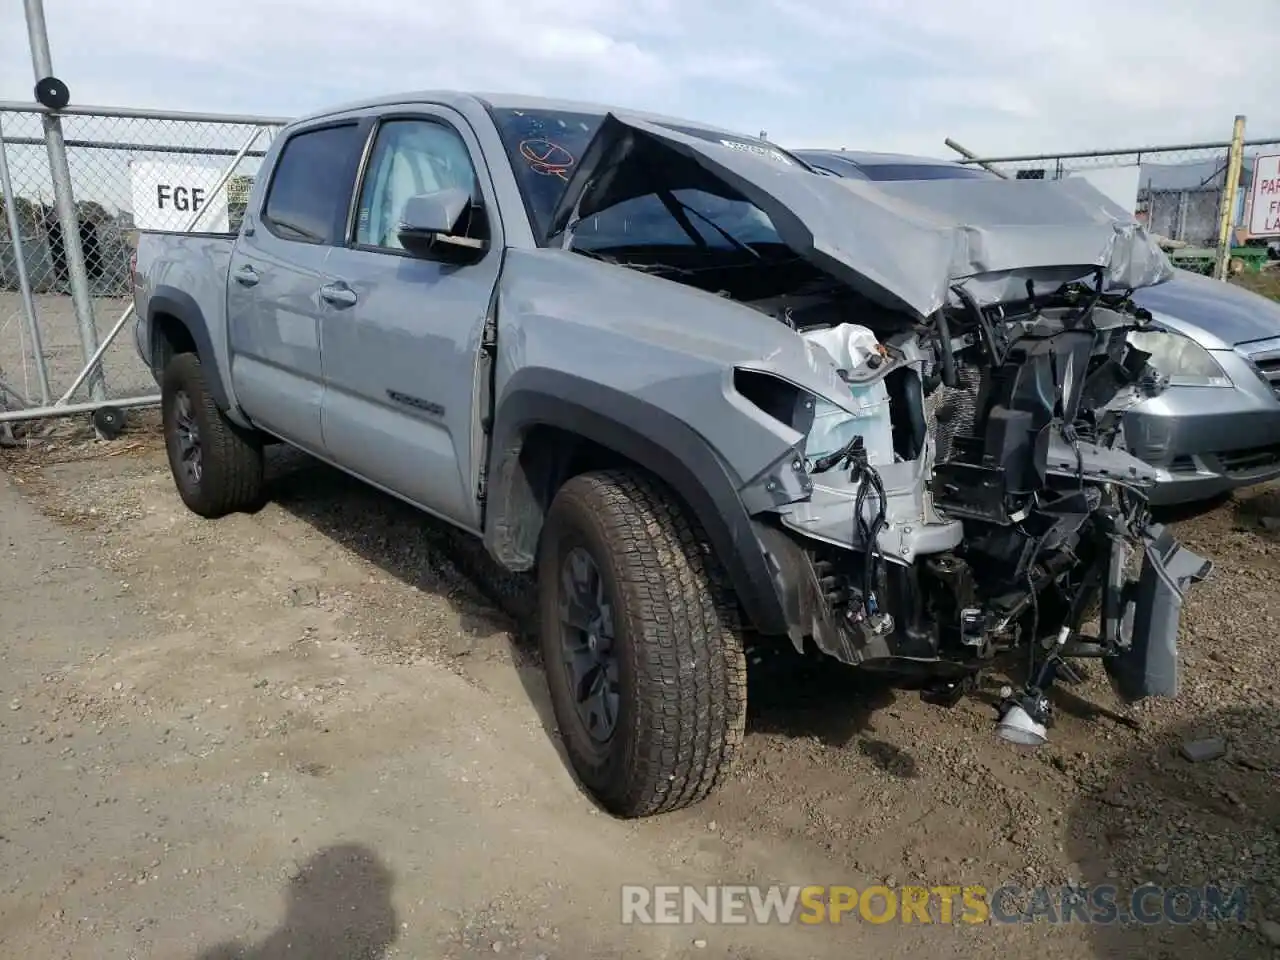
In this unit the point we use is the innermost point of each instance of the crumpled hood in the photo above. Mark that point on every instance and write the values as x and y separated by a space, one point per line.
901 244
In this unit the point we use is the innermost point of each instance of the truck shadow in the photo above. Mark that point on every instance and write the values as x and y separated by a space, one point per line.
421 552
1198 832
815 697
787 694
339 907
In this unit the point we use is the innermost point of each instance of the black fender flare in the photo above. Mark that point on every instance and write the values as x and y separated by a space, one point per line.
183 308
645 435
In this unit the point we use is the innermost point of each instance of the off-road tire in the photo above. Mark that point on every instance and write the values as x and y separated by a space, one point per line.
681 668
232 461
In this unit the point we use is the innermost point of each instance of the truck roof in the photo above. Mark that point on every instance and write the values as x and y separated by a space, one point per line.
468 101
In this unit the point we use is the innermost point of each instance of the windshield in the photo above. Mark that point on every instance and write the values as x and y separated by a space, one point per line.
544 145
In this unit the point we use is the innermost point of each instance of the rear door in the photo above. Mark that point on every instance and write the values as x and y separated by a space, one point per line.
277 280
402 357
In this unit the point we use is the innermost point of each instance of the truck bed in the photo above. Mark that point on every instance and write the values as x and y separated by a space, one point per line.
195 263
223 234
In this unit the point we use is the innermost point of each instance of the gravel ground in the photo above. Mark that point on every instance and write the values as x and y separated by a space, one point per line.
338 609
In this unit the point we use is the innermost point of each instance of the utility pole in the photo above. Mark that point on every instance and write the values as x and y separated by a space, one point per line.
51 90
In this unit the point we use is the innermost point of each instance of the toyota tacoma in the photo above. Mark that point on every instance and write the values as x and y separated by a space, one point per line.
701 392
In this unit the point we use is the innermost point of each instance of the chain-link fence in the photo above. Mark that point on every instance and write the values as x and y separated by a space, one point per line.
129 170
141 169
1178 191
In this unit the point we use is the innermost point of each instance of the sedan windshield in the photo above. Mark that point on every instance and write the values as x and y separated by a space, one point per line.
543 147
923 171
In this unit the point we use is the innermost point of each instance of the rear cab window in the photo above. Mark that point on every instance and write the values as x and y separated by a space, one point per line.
310 188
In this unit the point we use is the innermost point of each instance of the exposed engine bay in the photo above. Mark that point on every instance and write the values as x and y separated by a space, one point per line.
960 492
980 503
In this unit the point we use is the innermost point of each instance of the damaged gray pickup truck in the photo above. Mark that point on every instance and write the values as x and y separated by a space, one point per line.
703 392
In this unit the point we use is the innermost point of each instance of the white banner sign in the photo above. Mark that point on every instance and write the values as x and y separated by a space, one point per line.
1264 198
167 195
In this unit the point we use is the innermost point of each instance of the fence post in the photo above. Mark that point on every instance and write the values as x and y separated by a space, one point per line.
64 200
1231 183
216 189
970 155
20 268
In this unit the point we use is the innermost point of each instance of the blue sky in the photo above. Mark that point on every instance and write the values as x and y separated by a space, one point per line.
998 75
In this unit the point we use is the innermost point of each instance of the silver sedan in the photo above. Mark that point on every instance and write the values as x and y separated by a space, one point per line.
1214 425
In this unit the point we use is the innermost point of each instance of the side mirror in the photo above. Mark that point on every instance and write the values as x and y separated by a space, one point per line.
428 222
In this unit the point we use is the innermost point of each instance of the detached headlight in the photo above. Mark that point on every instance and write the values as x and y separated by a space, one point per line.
1180 358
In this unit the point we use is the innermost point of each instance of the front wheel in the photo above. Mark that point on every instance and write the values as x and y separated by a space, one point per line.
216 465
641 641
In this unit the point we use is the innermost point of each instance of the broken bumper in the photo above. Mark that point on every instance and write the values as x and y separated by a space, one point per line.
1145 663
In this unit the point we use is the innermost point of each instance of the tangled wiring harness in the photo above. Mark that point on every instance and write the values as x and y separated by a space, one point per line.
853 456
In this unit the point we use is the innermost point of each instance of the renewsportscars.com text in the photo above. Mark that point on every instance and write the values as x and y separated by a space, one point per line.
945 904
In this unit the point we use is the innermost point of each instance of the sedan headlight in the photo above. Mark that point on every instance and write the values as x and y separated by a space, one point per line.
1180 358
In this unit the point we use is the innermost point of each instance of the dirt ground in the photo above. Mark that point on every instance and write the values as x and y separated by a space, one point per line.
306 733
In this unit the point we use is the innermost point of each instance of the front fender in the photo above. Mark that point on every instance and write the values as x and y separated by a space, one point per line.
644 434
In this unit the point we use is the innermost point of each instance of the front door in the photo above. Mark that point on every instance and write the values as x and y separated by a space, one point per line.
277 278
401 356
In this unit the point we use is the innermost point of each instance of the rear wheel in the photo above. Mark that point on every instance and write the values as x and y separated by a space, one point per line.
216 465
642 645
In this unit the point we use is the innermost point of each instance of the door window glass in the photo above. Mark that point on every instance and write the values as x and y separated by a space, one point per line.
312 183
410 158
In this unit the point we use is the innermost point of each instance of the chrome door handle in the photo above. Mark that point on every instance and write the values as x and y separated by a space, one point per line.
246 276
338 294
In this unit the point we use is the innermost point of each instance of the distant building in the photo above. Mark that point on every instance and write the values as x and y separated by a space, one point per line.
1180 200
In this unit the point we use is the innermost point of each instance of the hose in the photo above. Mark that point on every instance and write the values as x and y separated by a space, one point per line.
946 358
